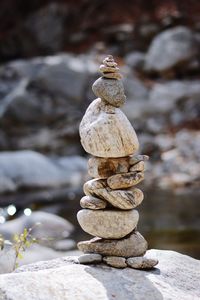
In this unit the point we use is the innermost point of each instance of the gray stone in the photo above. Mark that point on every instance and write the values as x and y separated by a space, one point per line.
99 129
92 202
141 262
15 171
123 181
115 261
111 91
171 48
132 245
137 158
7 258
177 277
108 224
90 258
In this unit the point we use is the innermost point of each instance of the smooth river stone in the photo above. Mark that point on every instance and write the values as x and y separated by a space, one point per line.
108 224
105 134
92 202
115 261
123 199
134 159
130 246
141 262
99 167
90 258
138 167
123 181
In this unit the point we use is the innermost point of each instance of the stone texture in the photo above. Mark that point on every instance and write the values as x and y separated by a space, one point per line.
92 202
132 245
177 277
123 181
171 48
104 167
115 261
122 199
108 224
111 91
99 130
141 262
138 167
89 258
134 159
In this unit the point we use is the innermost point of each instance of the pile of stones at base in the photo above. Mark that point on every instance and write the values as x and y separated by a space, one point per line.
110 198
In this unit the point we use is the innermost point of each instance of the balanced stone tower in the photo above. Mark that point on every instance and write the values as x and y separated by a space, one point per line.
111 197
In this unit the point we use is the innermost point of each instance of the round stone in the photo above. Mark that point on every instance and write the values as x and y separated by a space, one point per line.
115 261
92 202
111 91
106 134
130 246
141 262
108 224
123 181
104 68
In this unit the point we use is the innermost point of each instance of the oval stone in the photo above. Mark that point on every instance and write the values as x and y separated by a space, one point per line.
108 224
105 134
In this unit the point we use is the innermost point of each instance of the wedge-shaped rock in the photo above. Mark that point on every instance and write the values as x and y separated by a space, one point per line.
141 262
93 202
123 181
123 199
107 134
108 224
99 167
138 167
134 159
130 246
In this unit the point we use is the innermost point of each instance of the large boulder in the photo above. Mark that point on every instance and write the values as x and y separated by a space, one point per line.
29 169
176 277
171 48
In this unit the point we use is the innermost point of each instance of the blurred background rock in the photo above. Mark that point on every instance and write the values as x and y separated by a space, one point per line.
49 54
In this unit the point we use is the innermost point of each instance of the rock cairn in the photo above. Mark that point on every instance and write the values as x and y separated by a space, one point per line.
110 199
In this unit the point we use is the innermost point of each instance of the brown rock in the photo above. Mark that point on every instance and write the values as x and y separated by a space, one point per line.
108 224
115 261
130 246
123 199
138 167
93 203
105 167
123 181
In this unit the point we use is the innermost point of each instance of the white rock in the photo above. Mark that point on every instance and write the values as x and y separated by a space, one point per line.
107 134
177 277
108 224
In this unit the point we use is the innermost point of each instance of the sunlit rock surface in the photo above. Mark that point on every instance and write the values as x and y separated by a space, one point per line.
176 277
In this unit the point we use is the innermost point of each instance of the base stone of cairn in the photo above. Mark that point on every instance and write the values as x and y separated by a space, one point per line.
111 197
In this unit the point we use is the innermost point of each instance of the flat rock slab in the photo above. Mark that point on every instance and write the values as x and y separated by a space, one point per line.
108 224
176 277
132 245
123 181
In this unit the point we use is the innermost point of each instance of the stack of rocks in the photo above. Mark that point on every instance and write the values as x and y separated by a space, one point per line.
111 197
